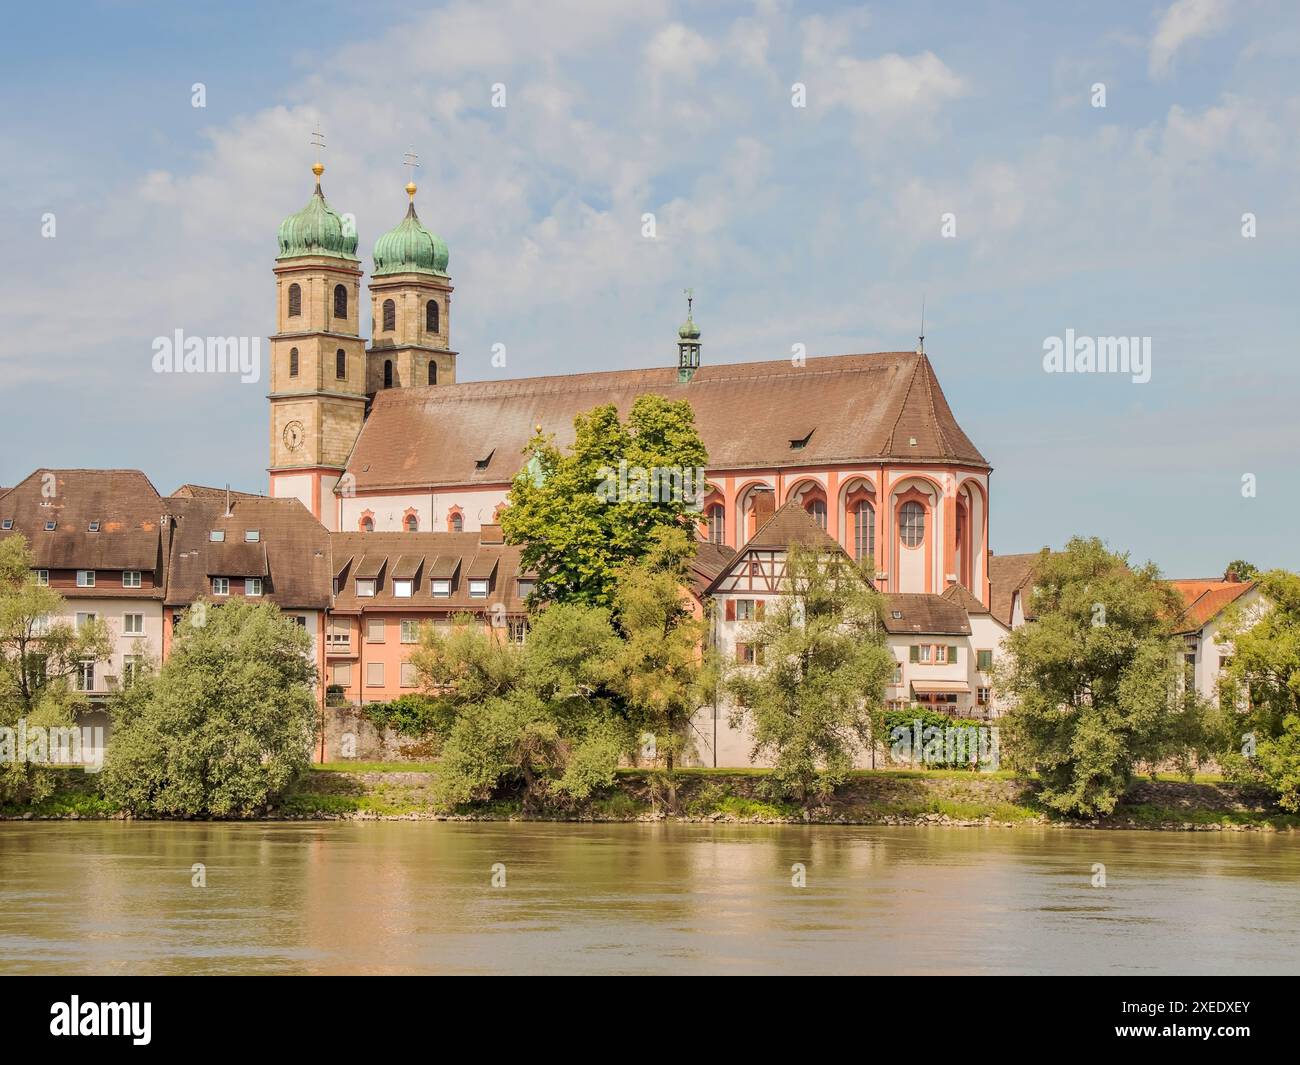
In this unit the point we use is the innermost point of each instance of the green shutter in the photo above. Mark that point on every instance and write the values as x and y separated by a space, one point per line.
915 653
952 655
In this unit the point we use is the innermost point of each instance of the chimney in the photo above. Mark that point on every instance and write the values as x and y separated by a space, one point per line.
1231 576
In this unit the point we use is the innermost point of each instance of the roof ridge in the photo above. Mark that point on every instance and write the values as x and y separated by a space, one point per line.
902 407
924 360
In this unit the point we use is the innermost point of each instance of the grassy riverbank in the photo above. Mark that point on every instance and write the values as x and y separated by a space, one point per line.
395 790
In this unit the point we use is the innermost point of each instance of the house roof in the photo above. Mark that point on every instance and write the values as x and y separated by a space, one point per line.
1206 599
962 597
291 554
421 556
708 564
885 406
923 614
1009 574
124 503
202 491
791 524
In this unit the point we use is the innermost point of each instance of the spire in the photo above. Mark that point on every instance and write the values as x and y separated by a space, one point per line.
412 160
688 342
318 168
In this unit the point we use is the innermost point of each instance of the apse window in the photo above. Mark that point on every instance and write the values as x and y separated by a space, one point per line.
912 523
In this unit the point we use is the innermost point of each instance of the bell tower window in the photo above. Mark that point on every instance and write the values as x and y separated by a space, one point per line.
388 373
340 364
431 316
390 316
433 372
295 300
293 362
340 301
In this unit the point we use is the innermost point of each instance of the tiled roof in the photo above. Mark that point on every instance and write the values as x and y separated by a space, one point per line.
291 554
124 503
1204 600
710 560
856 407
202 491
1009 574
926 615
961 596
419 557
791 524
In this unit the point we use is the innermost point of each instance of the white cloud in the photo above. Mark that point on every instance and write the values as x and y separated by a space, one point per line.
1183 21
678 52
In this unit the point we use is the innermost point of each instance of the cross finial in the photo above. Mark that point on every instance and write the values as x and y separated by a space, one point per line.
413 161
690 300
318 142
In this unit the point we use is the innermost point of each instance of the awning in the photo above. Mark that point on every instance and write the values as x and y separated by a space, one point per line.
934 686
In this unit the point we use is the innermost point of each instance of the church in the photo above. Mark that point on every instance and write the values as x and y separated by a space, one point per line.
379 436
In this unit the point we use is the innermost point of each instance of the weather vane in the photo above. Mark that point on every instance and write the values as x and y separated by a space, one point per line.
318 141
690 300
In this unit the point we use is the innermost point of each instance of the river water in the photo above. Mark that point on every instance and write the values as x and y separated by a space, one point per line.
418 897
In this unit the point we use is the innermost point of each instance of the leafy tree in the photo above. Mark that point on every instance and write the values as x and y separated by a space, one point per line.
225 726
580 515
1096 678
539 718
38 660
818 696
660 667
1260 690
1244 570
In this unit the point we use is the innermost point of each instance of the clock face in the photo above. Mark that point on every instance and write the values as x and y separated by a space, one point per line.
294 435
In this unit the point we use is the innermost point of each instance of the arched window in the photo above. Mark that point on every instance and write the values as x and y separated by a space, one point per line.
433 372
340 364
412 523
293 362
340 301
367 524
717 523
295 300
864 531
431 316
817 508
457 523
911 521
388 373
390 316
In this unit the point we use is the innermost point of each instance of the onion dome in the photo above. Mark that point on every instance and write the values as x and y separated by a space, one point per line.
410 248
317 229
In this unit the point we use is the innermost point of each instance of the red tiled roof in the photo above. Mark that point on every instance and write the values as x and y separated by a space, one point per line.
862 407
1009 574
1204 600
924 614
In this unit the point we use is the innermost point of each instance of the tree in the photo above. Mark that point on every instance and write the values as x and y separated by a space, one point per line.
1096 678
39 658
540 718
225 726
1261 740
817 698
660 669
580 515
1244 570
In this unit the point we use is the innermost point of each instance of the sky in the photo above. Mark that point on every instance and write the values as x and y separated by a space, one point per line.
815 172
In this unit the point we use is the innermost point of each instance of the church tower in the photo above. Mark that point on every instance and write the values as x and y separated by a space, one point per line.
410 291
318 370
688 343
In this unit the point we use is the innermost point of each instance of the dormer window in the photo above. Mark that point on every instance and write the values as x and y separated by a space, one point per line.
50 526
252 536
440 588
85 578
401 589
478 589
365 589
897 615
217 536
7 524
93 527
802 442
482 464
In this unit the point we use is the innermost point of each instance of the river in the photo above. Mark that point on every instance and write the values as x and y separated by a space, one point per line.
418 897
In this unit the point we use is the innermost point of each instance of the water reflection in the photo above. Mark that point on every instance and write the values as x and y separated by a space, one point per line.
108 897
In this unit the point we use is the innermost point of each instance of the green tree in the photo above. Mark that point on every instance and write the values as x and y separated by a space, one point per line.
581 515
1244 570
39 659
539 718
817 696
661 670
1095 679
225 726
1260 690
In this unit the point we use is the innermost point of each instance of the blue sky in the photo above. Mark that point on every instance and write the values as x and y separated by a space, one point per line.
818 225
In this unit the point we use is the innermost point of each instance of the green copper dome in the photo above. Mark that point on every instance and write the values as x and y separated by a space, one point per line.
689 330
410 249
316 230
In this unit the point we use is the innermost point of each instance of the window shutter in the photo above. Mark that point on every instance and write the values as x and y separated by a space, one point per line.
952 656
731 610
740 652
758 609
915 653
